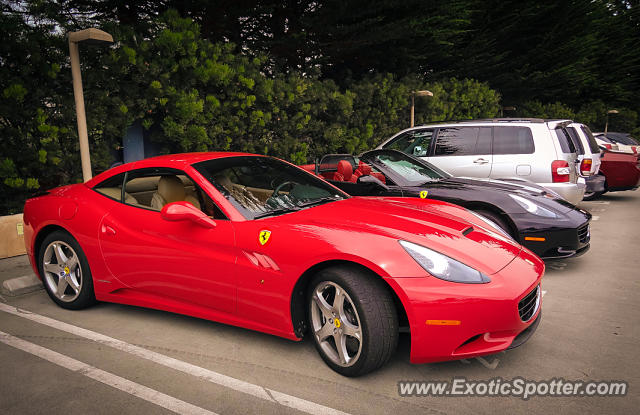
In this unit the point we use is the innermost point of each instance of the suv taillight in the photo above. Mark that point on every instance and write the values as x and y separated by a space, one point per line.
608 146
585 167
560 171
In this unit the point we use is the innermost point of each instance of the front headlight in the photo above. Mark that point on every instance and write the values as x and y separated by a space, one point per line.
532 207
443 267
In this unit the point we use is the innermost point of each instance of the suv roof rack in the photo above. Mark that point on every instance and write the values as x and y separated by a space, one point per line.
521 119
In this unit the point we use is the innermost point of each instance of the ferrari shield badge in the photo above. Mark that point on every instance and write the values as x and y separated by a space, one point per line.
424 194
264 236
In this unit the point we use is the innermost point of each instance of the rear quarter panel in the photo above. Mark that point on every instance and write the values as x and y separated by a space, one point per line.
77 210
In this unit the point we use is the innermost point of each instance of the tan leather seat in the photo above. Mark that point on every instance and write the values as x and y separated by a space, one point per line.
116 193
171 189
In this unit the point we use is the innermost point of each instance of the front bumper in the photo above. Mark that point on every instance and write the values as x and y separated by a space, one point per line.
571 192
567 235
488 315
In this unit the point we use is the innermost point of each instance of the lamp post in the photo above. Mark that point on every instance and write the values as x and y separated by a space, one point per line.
503 109
606 124
91 37
423 93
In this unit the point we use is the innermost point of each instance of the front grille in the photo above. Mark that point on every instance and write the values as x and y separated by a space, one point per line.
583 233
528 306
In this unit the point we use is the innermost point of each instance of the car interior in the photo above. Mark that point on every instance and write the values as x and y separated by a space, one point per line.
344 168
154 192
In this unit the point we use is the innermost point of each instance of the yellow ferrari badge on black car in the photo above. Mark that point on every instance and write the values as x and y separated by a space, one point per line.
424 194
264 236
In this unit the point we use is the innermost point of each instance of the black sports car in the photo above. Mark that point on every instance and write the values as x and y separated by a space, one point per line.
543 222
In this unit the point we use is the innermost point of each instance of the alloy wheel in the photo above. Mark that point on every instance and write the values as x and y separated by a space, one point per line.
336 324
63 272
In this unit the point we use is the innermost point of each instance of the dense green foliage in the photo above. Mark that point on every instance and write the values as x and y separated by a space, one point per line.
297 78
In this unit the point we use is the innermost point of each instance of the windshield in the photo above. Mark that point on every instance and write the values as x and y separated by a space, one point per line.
413 171
622 138
262 186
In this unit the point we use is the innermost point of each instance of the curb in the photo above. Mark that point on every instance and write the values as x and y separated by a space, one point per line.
22 285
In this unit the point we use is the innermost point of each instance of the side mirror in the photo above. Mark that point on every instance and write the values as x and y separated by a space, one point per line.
372 181
180 211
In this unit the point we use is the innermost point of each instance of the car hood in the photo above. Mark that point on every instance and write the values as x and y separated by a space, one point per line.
502 187
448 229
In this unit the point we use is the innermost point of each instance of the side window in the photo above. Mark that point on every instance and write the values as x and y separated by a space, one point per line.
593 144
414 142
111 187
575 139
512 140
155 187
457 141
566 145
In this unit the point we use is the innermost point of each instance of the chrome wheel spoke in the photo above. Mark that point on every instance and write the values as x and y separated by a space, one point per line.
62 286
73 283
324 307
52 268
72 263
60 256
325 331
338 302
341 345
350 330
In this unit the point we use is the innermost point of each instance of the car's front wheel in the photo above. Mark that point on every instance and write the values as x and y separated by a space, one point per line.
353 320
65 271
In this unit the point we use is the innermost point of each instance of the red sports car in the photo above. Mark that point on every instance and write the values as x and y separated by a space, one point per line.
260 243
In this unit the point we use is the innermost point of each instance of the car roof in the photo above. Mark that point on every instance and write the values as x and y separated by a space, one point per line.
495 121
178 161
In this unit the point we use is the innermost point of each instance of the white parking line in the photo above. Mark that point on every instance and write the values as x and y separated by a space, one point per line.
197 371
601 202
595 218
132 388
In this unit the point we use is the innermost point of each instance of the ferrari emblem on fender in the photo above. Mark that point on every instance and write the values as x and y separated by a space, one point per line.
264 237
424 194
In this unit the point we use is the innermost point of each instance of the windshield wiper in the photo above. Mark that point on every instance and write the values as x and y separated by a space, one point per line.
278 211
319 201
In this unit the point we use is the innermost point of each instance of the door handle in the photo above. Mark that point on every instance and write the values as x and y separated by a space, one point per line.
480 161
108 230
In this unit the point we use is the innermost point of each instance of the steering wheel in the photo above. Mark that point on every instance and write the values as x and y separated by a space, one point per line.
280 186
277 190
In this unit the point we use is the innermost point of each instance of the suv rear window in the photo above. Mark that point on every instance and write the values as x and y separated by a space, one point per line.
463 141
575 138
565 141
512 140
593 144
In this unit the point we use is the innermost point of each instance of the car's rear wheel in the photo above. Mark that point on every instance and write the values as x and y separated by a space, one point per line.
353 320
65 271
592 195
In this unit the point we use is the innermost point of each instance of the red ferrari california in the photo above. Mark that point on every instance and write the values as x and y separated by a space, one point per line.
259 243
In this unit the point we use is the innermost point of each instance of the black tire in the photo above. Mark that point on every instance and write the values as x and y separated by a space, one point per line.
495 218
592 195
376 313
85 295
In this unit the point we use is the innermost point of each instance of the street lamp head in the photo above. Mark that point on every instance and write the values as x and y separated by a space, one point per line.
612 112
423 93
91 36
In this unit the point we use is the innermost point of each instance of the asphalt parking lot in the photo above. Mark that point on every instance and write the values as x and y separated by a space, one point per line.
113 358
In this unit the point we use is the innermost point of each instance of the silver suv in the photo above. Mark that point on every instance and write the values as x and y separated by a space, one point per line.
541 151
588 159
